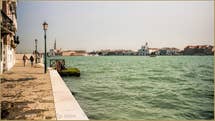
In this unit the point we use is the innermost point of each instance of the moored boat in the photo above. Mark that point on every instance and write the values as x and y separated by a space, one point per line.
59 65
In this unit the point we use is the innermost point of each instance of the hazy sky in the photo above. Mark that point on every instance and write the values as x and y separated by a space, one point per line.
94 25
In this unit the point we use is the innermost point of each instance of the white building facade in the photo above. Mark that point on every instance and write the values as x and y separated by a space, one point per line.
51 52
144 50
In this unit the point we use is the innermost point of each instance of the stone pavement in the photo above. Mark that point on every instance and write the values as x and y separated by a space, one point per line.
26 93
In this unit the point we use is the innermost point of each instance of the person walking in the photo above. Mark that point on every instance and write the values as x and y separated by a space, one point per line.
32 60
24 58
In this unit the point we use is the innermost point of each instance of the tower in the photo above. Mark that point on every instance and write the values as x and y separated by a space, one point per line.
55 45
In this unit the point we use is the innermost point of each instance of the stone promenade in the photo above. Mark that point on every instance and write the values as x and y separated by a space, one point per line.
26 93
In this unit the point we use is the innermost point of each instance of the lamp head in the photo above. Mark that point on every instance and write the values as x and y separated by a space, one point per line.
45 26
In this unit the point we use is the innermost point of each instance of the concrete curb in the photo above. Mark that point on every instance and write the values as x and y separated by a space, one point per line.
66 106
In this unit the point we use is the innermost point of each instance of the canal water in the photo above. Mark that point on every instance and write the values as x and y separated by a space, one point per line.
137 87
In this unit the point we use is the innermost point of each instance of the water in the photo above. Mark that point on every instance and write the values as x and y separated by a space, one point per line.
135 87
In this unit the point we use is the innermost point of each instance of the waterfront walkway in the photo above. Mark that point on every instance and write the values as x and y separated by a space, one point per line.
26 93
67 108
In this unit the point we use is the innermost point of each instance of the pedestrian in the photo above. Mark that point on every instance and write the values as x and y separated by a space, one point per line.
24 58
58 66
32 60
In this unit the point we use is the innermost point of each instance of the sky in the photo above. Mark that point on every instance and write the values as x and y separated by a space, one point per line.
95 25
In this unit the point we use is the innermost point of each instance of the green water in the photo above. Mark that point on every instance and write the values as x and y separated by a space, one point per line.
136 87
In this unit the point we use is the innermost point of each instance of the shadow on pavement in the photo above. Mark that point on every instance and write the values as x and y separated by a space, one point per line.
3 80
15 110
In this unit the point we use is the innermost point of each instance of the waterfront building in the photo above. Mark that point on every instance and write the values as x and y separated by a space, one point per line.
154 51
175 51
93 53
74 53
51 52
9 40
119 52
144 50
68 53
164 51
130 52
198 50
55 51
80 53
55 45
169 51
58 52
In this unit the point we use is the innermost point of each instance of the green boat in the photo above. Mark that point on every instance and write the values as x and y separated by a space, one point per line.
59 65
70 72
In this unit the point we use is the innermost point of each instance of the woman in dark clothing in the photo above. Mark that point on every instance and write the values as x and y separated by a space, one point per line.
32 60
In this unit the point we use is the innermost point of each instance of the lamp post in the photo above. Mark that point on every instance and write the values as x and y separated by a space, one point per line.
45 27
36 50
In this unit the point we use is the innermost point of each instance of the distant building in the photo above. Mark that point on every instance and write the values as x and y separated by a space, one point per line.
130 52
198 50
68 53
154 51
74 53
55 51
58 52
169 51
93 53
9 40
119 52
144 50
51 52
55 45
80 53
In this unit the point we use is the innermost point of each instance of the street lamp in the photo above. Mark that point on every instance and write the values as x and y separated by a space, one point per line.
36 49
45 27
